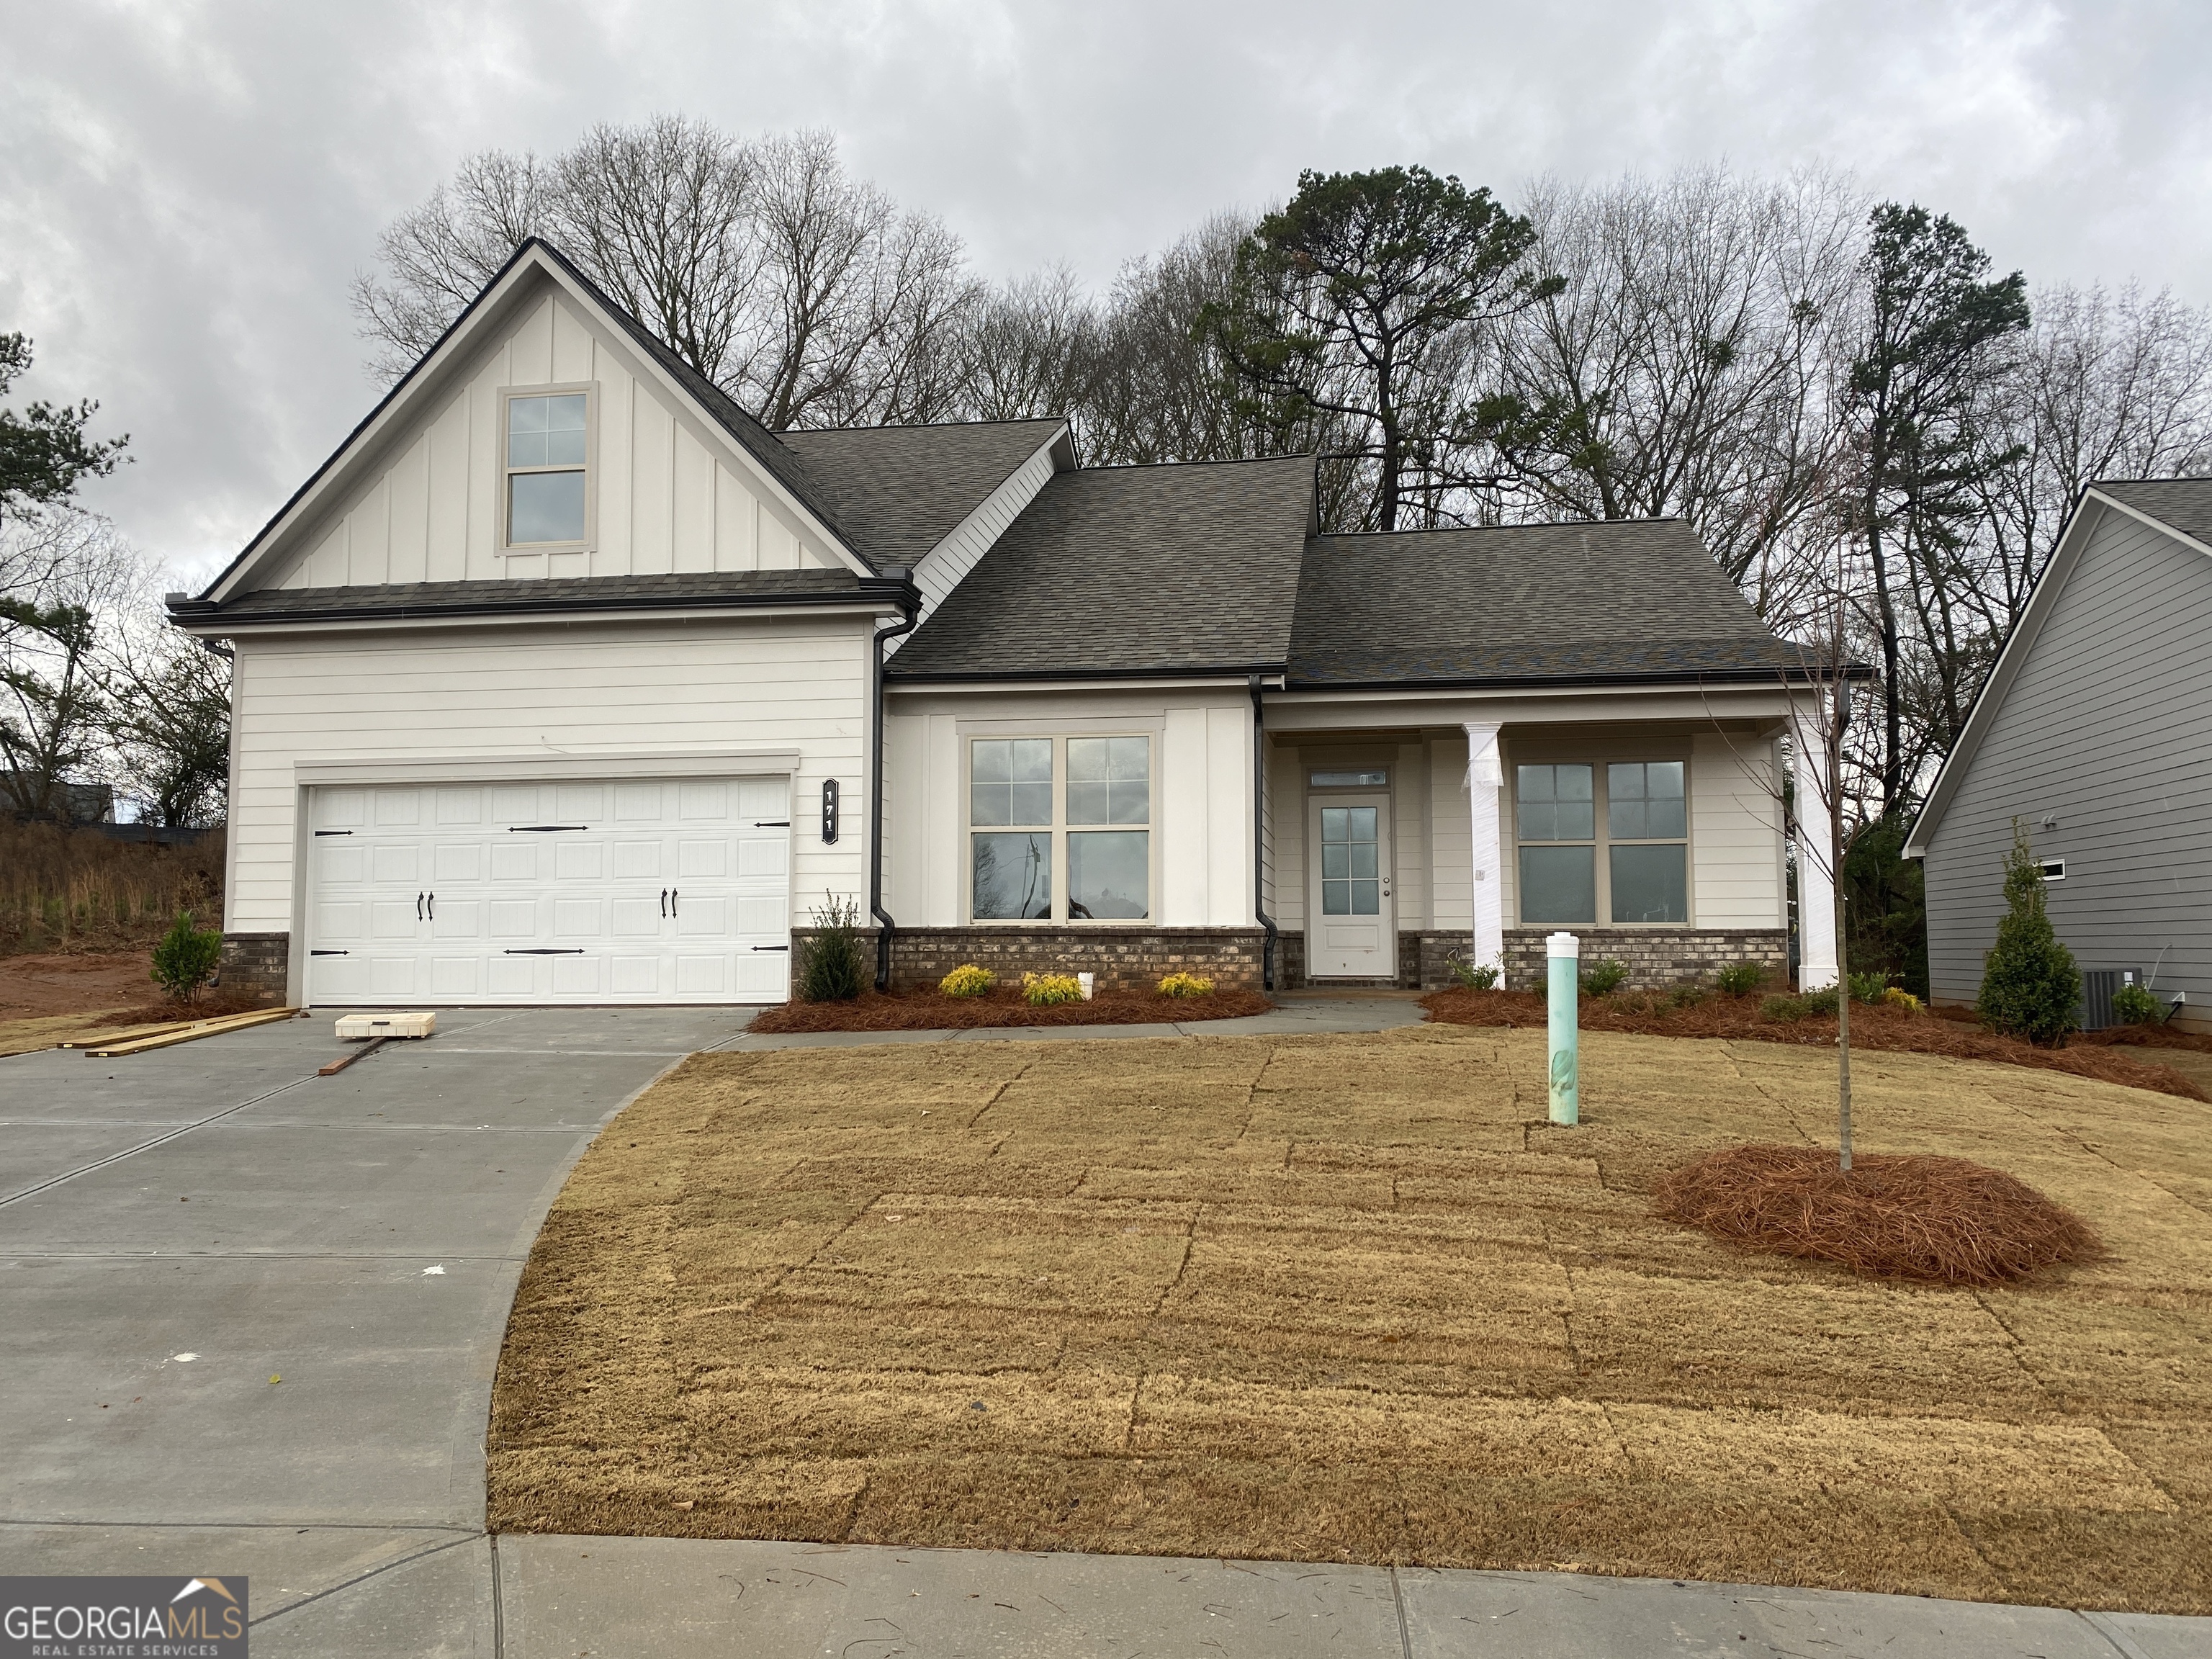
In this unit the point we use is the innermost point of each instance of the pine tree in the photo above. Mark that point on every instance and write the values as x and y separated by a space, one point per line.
2030 986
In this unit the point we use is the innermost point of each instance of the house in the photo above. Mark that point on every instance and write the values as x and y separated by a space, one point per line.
565 680
2093 732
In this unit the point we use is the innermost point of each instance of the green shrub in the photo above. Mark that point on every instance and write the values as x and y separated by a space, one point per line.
1741 979
1469 977
1868 988
1786 1009
2030 986
1688 995
1186 984
831 965
968 980
1898 997
186 957
1602 979
2133 1005
1043 990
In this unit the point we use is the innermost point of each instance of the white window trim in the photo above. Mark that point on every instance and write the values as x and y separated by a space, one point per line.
508 394
1058 829
1597 760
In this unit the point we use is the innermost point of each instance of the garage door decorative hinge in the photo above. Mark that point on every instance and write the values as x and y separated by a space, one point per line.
549 951
330 953
771 947
333 832
541 829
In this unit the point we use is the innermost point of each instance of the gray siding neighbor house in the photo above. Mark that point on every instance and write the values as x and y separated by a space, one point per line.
2095 730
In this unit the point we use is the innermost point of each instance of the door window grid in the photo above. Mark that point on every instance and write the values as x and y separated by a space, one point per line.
1059 829
1645 814
1351 861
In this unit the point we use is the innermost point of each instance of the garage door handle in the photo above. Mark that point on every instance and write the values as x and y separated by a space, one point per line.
672 901
434 907
771 947
663 904
418 907
549 950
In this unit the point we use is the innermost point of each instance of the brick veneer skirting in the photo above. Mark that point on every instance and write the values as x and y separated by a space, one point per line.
258 963
1123 958
1653 956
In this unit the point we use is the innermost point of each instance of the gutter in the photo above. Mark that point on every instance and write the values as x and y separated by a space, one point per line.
886 928
1260 839
207 613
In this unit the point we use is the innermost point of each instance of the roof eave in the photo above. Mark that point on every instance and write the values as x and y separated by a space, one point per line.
209 617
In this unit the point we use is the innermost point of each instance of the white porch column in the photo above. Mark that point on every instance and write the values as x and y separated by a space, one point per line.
1816 883
1485 777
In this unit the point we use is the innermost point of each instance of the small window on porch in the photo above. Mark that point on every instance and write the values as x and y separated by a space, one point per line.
1376 778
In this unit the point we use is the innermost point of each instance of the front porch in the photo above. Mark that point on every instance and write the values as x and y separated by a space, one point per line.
1654 830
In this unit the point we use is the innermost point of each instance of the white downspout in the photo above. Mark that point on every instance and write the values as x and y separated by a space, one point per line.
1485 777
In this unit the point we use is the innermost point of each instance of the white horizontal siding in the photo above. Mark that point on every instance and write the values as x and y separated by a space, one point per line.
1735 833
671 494
1201 812
608 689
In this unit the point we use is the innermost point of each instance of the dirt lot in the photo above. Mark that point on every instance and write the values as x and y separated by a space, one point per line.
86 982
1352 1298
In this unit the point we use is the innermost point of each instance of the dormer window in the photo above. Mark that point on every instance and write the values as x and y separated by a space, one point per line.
548 469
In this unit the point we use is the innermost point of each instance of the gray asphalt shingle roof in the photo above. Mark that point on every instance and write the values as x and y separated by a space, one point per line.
1121 570
1524 602
2184 504
899 490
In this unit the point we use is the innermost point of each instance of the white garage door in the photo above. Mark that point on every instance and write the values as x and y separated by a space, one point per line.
617 892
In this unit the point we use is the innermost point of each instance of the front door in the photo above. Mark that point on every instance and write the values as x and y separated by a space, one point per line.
1352 930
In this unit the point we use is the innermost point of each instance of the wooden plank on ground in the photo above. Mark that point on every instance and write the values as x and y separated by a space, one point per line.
125 1034
344 1060
190 1033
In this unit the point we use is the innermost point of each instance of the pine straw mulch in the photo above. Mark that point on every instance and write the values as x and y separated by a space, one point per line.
1943 1220
932 1011
1873 1027
1352 1298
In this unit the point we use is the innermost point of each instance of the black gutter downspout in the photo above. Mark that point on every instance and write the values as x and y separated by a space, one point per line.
1260 839
886 927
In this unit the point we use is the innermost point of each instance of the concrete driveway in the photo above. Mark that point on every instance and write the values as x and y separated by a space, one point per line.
180 1228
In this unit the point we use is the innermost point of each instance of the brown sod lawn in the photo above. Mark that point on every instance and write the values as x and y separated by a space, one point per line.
932 1011
1352 1298
1876 1026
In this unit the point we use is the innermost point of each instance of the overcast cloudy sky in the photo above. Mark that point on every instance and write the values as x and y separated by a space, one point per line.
187 189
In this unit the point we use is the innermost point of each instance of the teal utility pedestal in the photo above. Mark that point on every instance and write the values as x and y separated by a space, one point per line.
1565 952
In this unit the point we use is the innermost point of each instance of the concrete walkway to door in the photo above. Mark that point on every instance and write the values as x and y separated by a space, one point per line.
179 1231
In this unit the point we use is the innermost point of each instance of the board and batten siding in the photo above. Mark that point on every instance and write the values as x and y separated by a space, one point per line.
670 495
1737 869
525 695
2108 727
945 565
1201 813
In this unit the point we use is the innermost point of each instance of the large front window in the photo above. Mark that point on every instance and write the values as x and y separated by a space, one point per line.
1059 829
1641 860
547 444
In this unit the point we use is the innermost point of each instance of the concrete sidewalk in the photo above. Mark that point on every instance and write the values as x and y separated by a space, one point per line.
529 1597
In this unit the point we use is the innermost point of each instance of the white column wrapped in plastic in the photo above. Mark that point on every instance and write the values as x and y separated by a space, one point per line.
1816 885
1485 778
